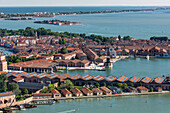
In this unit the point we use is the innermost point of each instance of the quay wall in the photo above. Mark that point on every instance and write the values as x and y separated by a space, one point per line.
102 96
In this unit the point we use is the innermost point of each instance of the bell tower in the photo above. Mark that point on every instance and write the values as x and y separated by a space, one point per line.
3 63
108 63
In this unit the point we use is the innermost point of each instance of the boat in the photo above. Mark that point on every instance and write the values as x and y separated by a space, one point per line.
74 110
147 57
165 55
102 69
29 106
43 103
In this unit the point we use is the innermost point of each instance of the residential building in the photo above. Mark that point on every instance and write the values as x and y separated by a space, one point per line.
55 93
76 92
106 91
142 89
87 92
66 92
97 92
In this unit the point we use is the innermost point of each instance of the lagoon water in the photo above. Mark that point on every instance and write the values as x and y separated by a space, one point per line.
137 25
130 104
139 67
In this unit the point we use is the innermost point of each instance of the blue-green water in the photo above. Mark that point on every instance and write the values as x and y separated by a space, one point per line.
138 25
131 104
139 67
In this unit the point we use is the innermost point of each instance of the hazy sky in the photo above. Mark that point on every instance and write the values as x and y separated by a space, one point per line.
84 2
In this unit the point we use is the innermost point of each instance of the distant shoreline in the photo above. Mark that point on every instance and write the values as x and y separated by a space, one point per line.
52 14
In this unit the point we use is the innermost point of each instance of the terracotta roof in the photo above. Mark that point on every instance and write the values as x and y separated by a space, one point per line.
76 77
158 80
42 94
64 76
96 90
105 89
134 79
65 91
86 90
54 91
87 77
146 79
75 90
110 78
141 87
18 79
122 78
99 78
6 93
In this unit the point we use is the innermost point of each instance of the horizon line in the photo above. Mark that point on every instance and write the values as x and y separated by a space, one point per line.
91 6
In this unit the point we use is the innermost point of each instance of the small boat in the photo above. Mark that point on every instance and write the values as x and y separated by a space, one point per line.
74 110
103 69
147 57
29 106
165 55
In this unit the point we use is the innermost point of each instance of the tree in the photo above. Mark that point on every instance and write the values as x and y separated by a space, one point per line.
151 89
68 84
119 85
140 83
131 84
124 85
60 41
126 38
14 87
25 91
108 86
64 42
104 84
3 84
97 85
64 50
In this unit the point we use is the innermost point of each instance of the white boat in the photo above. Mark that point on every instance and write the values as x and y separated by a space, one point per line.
147 57
165 55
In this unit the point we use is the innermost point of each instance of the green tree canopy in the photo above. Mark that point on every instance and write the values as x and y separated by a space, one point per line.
119 85
64 50
3 84
14 87
25 91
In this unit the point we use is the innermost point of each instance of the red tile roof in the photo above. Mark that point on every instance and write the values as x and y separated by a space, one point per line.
54 91
122 78
75 90
6 93
96 90
86 90
158 80
65 91
146 79
105 89
99 78
134 79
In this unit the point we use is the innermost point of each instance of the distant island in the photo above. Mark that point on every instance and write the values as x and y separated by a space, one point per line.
17 15
19 18
58 22
50 14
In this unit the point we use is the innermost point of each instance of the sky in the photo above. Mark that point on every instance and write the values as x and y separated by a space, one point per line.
84 2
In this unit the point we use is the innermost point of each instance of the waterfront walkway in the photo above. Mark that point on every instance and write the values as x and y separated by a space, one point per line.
102 96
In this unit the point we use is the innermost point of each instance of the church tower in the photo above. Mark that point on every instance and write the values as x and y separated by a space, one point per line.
3 63
108 63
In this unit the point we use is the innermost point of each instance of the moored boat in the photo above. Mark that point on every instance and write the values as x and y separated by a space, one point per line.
165 55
